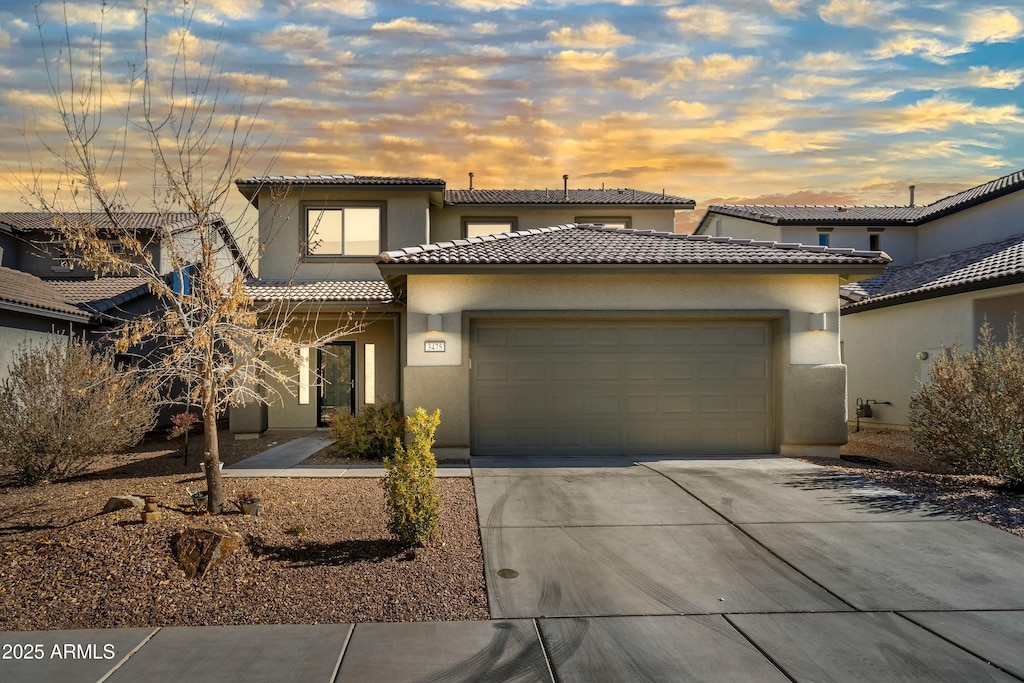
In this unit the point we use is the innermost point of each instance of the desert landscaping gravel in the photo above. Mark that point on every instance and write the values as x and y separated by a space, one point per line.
901 467
319 553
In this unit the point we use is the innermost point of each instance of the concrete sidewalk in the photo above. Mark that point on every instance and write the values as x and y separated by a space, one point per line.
812 647
285 460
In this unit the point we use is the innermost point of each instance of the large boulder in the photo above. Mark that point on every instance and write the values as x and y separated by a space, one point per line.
200 550
122 503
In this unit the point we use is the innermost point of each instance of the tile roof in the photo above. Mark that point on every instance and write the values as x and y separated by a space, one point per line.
985 265
556 196
25 289
584 244
990 190
100 294
873 215
325 290
247 185
30 221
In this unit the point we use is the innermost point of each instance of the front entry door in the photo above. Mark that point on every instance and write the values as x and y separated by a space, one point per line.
336 367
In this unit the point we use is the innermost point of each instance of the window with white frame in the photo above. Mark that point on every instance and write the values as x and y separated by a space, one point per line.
344 230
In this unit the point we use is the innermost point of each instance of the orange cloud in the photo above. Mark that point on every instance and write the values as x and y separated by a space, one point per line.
601 35
938 113
582 60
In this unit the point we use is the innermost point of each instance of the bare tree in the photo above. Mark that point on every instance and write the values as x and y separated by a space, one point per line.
172 122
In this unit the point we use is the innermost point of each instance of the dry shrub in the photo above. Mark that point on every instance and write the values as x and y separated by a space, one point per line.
369 434
971 414
412 499
64 404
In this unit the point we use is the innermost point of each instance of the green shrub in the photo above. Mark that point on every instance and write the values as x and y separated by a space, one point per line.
413 501
971 413
64 404
369 434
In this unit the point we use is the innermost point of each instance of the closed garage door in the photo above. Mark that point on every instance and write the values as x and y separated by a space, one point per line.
542 387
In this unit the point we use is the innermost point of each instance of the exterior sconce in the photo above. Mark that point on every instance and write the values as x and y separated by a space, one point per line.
817 322
434 322
922 355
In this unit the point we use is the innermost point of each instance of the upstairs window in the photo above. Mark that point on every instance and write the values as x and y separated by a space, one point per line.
620 222
476 227
347 230
823 239
874 242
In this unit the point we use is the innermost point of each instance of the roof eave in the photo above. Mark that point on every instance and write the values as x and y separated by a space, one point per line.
40 311
924 295
390 269
675 206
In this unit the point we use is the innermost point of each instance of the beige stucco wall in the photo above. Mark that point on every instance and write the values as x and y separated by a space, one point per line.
899 242
285 411
732 226
806 360
987 222
446 222
880 346
281 227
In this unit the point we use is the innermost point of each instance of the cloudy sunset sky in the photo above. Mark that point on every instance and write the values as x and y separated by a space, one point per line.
743 101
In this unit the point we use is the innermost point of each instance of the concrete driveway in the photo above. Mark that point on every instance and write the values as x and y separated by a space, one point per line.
744 569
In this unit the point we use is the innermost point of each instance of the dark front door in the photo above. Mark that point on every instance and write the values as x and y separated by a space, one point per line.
336 367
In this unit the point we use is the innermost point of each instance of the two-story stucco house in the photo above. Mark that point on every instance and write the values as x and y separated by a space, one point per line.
554 321
957 262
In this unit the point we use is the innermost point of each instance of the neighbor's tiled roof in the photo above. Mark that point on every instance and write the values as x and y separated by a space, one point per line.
30 221
874 215
335 179
989 264
990 190
557 196
325 290
33 221
25 289
101 294
588 244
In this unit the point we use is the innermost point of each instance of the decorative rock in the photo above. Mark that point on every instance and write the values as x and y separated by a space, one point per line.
122 503
200 550
150 517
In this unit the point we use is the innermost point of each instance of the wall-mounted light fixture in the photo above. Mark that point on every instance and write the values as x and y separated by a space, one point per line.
434 322
817 322
922 355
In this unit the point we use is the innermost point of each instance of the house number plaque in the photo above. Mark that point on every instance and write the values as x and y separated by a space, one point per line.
433 346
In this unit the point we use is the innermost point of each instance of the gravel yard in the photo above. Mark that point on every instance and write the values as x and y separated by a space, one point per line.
901 467
320 552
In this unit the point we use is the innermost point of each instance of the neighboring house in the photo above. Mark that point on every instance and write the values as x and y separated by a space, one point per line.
986 213
40 296
956 262
32 312
895 325
568 339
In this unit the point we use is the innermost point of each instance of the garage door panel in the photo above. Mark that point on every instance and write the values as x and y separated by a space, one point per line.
621 387
752 369
673 404
536 371
752 403
603 369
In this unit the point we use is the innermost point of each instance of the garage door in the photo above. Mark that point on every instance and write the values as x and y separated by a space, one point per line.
542 387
